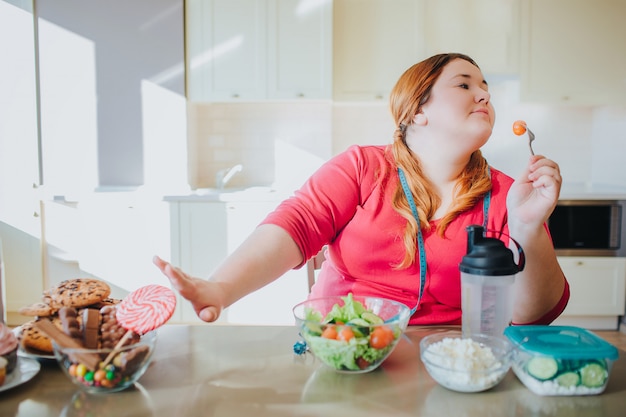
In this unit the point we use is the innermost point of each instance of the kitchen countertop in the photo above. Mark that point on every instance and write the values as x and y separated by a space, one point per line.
592 191
569 191
229 195
221 370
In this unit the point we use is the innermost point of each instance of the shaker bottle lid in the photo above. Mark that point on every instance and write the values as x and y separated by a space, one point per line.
487 256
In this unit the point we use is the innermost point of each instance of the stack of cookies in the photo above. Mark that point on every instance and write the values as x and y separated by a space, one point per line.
81 308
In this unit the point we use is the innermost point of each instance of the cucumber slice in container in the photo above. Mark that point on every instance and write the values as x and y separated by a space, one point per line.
593 375
542 367
568 379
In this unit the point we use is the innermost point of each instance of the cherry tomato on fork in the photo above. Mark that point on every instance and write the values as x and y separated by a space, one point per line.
519 127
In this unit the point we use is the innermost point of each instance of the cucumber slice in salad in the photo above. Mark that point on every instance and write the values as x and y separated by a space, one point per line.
371 318
542 367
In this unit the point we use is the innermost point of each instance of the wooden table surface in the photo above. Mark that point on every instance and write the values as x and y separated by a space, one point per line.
228 370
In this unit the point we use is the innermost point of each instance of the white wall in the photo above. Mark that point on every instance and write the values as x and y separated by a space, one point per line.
112 113
588 143
112 89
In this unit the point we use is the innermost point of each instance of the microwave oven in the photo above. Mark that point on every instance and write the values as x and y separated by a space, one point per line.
589 228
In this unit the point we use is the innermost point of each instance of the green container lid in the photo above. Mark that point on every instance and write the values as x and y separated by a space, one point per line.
560 342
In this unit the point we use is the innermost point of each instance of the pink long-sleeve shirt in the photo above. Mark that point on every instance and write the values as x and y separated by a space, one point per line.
346 205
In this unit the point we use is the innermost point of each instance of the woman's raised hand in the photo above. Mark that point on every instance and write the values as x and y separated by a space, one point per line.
203 295
535 193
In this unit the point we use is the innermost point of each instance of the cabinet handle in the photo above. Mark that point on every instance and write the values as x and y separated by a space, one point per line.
35 214
580 263
300 95
235 95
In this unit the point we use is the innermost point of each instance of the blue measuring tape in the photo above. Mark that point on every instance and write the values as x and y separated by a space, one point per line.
420 237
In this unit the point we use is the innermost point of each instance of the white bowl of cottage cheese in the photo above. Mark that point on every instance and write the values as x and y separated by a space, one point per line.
466 364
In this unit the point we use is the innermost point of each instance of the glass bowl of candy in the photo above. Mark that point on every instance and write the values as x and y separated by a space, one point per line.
351 334
106 370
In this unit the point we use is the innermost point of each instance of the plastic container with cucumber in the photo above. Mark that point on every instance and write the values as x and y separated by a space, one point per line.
561 360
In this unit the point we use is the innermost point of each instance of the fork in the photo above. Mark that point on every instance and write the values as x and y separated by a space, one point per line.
531 138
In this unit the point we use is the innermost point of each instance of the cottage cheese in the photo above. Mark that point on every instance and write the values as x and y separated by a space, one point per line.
462 364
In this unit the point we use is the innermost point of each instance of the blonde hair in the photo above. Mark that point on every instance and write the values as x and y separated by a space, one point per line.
408 95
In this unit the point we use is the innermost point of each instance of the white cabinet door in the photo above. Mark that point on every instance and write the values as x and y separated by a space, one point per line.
204 234
226 49
243 50
573 51
20 214
373 44
486 30
597 288
198 244
299 49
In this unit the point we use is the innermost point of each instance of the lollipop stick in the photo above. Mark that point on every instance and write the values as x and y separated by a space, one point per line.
117 347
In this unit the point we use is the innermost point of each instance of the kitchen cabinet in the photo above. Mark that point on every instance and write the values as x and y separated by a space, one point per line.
373 44
572 52
109 236
226 56
486 30
204 233
248 50
598 291
20 211
299 49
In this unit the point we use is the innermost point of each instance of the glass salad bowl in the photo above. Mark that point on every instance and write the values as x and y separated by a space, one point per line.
351 334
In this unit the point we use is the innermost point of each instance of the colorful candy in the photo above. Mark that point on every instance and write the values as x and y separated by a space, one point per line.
146 308
115 375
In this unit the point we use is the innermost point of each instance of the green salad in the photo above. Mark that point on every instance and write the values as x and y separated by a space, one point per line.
349 337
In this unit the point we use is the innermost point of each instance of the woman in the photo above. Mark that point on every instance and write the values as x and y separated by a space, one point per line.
361 204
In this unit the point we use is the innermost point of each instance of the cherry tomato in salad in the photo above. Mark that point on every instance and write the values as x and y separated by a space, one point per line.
330 332
381 337
362 363
345 334
519 127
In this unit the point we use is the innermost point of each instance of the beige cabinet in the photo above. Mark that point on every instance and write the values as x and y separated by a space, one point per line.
204 233
248 50
597 291
373 44
486 30
573 51
375 41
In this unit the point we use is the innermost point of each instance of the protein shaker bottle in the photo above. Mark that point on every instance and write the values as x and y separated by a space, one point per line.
487 277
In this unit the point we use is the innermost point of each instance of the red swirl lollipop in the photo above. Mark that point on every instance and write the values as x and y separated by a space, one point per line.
143 310
146 308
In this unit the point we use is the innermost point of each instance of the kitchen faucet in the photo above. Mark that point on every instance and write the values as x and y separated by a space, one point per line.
224 175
